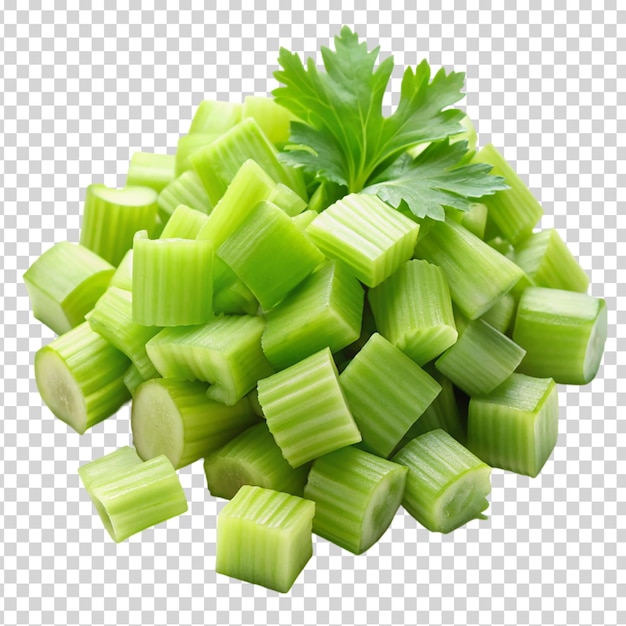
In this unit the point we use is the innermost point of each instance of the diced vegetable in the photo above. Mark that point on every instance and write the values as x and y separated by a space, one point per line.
155 171
184 223
215 116
187 189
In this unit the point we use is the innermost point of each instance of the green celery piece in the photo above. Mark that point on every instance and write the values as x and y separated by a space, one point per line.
548 261
155 171
273 119
215 117
324 310
306 411
264 537
172 281
138 497
563 333
112 318
477 274
64 283
187 145
80 377
502 313
514 212
515 427
235 299
302 220
386 393
269 254
225 352
184 223
123 276
481 359
356 496
413 310
187 189
367 235
446 486
287 200
133 378
474 220
108 467
503 246
111 217
175 418
217 164
325 194
252 458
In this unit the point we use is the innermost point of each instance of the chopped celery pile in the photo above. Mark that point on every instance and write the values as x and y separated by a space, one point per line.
334 311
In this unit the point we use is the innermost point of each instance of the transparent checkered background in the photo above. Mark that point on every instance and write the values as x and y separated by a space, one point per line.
81 90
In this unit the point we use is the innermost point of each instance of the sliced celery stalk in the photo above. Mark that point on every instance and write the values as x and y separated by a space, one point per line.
273 119
155 171
563 333
172 282
235 299
217 117
133 378
123 276
187 145
413 310
549 262
184 223
514 212
481 359
477 274
175 418
269 254
302 220
306 411
139 497
356 495
187 189
80 376
217 164
64 283
112 317
264 537
287 200
515 427
386 393
252 458
225 352
446 486
108 467
474 220
367 234
325 194
502 313
324 310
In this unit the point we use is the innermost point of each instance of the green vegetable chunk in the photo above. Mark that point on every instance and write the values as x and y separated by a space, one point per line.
215 116
184 223
273 119
108 467
155 171
187 189
188 145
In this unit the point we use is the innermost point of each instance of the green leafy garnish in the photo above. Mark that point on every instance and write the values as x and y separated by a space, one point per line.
344 138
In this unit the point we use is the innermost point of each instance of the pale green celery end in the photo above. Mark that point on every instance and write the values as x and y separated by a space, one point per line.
133 379
516 426
302 220
123 276
64 283
273 119
80 377
516 211
184 223
367 234
187 145
269 254
187 189
477 274
386 393
215 116
324 310
155 171
481 359
264 537
141 497
287 200
475 220
356 495
502 313
306 410
108 467
413 310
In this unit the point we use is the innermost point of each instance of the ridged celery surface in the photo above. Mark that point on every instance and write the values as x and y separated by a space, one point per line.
288 200
306 410
475 220
273 119
515 212
563 333
217 164
80 376
184 223
133 378
446 486
356 495
172 282
477 274
502 313
269 254
324 310
112 317
123 276
549 262
106 468
302 220
225 352
187 145
187 189
175 418
138 497
366 234
155 171
515 427
111 217
413 310
252 458
386 393
64 283
264 537
481 359
215 116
